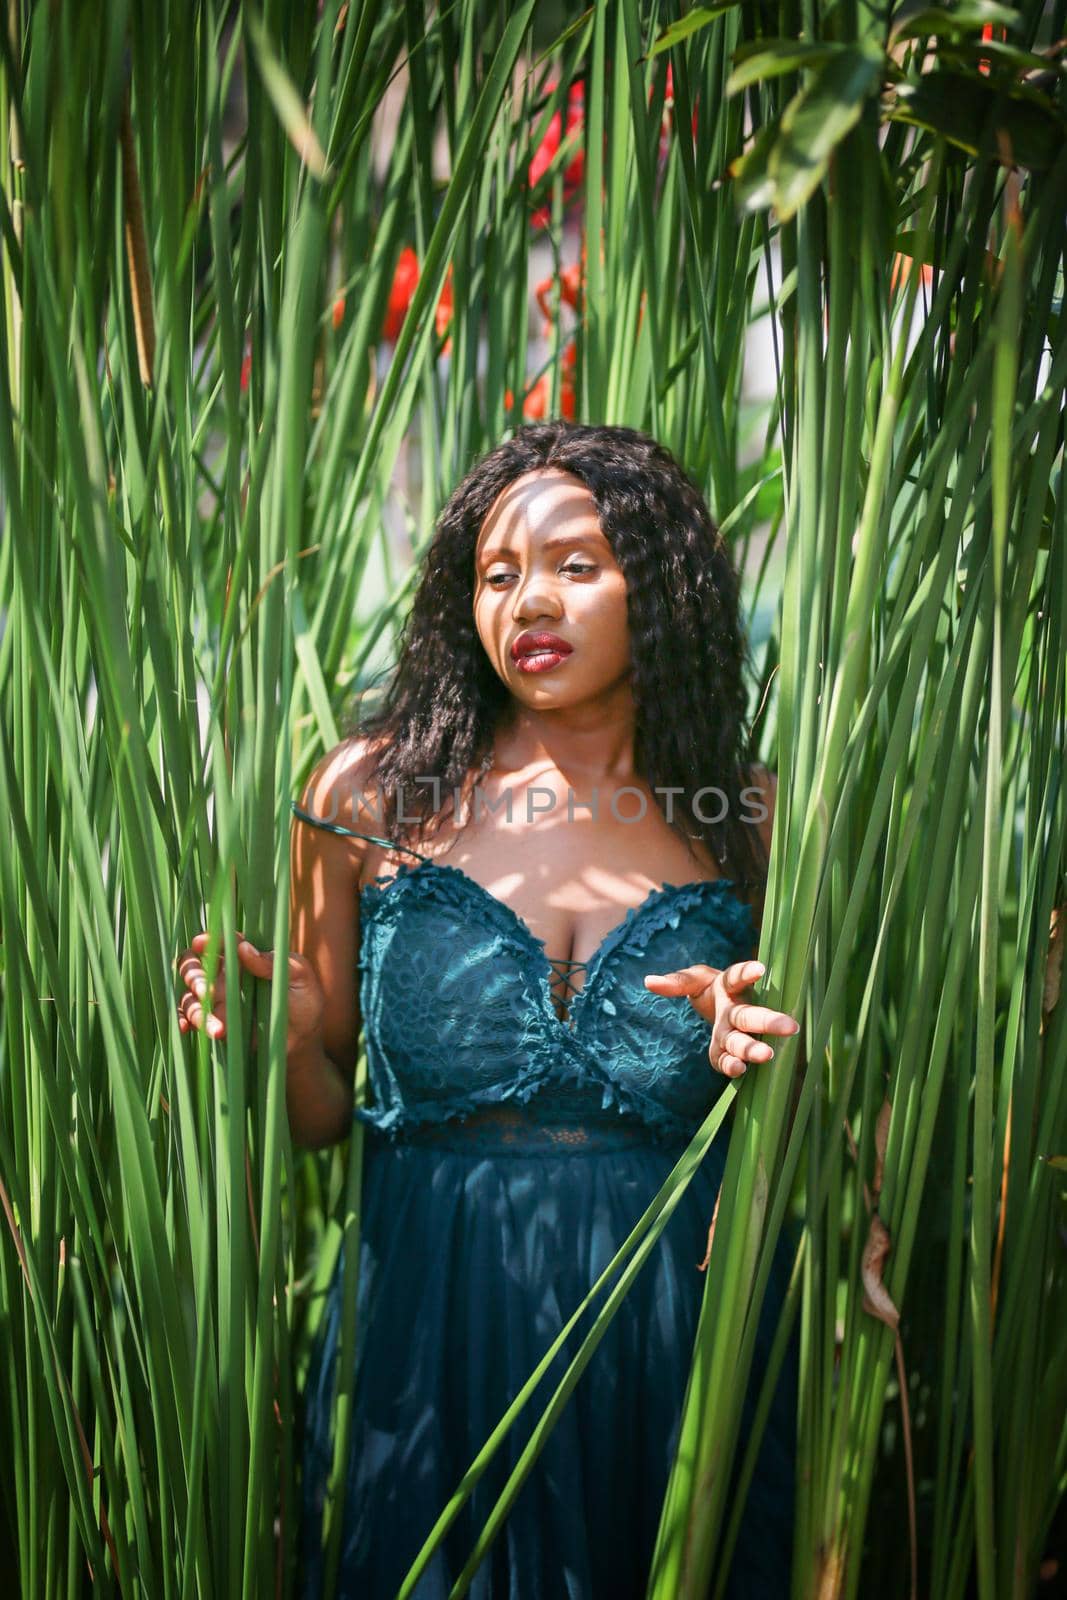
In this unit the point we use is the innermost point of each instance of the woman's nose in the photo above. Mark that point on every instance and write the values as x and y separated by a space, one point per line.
535 598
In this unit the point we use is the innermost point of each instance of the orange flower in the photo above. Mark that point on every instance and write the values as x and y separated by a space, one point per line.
443 314
338 312
535 405
902 265
570 290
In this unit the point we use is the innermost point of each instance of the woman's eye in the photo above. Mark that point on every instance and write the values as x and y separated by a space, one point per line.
495 579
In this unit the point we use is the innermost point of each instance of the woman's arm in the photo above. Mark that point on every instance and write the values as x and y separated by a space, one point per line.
325 875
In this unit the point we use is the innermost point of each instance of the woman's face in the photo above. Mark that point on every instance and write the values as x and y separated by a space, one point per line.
542 566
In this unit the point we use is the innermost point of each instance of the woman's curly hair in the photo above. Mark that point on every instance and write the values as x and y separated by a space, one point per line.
689 652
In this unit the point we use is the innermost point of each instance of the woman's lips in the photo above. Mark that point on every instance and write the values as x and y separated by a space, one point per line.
539 652
540 660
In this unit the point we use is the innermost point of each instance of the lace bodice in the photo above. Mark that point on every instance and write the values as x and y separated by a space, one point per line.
456 995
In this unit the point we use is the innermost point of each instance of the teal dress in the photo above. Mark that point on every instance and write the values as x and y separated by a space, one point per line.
481 1235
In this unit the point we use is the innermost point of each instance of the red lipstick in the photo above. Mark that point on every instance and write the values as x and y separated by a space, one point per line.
536 651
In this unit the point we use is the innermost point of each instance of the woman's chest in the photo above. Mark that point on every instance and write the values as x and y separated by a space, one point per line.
570 866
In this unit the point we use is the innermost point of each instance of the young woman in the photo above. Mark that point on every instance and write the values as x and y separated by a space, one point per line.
546 860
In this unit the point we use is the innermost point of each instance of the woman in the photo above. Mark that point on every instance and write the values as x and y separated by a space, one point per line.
555 768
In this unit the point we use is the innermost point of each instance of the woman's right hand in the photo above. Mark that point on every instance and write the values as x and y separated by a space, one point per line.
306 999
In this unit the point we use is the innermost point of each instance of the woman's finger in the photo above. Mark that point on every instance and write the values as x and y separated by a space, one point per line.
199 940
260 963
686 981
198 944
696 984
761 1019
742 973
206 1021
190 1008
730 1066
748 1049
194 976
191 969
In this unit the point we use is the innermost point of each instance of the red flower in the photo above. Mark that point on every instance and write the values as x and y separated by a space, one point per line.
987 33
246 371
338 312
405 278
548 149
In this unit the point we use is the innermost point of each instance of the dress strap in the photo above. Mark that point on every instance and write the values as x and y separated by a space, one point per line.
352 833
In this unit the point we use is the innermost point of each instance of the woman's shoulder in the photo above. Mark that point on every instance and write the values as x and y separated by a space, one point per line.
339 790
342 775
758 776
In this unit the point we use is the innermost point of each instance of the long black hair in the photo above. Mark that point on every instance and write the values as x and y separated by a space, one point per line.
689 653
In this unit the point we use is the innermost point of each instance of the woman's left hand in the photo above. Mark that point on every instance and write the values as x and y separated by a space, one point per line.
714 995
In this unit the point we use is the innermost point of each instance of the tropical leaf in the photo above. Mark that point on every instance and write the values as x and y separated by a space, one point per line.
693 22
787 163
967 17
975 116
775 59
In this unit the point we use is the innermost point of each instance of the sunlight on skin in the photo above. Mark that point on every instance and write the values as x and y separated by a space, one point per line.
543 562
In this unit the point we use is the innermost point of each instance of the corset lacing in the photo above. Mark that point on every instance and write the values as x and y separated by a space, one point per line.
564 978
